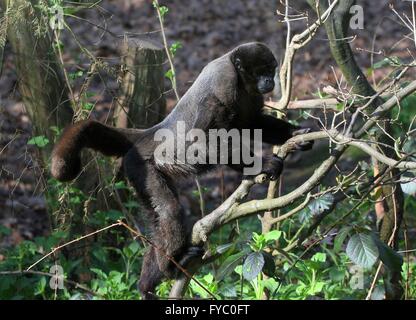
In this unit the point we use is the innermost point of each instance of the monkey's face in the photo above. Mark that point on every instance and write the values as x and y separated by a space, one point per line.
256 66
264 80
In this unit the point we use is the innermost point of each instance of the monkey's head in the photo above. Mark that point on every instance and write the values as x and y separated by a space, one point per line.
256 66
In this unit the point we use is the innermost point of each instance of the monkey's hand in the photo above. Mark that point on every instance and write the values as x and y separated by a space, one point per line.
305 145
273 167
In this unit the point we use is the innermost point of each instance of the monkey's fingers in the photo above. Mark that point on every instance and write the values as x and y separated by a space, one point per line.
301 131
273 168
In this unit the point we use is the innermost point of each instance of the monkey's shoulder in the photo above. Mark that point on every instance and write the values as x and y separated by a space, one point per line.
217 81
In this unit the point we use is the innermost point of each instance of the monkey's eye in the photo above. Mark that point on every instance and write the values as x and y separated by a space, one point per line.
238 65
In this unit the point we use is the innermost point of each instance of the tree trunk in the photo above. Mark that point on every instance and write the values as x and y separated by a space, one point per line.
40 79
142 102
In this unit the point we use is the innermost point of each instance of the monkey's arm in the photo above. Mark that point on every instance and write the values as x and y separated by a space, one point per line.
274 131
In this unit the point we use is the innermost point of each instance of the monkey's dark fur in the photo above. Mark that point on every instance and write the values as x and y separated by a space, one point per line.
227 94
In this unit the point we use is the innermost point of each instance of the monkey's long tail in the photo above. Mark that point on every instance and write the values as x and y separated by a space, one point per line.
111 141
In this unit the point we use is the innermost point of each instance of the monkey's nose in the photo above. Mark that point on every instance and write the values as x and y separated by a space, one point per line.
267 85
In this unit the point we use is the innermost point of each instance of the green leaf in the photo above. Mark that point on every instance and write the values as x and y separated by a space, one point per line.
229 291
88 106
316 207
134 247
319 205
224 247
40 286
337 274
131 204
114 215
75 75
273 235
174 48
163 11
362 250
319 257
388 61
229 265
253 265
208 278
120 185
340 238
39 141
99 273
5 231
271 284
170 74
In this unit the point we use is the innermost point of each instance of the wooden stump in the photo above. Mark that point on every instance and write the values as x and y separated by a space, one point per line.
142 102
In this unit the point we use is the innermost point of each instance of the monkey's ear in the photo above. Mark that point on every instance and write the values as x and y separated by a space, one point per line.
238 64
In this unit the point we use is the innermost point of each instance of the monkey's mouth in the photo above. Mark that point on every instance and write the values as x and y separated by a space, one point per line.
265 88
265 85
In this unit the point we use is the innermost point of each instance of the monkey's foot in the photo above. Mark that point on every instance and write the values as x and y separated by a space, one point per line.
184 259
191 253
273 167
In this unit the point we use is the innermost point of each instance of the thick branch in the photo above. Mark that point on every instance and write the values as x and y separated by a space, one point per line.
231 209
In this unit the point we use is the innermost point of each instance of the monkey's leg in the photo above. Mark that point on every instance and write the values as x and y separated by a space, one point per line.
137 171
158 193
150 276
170 231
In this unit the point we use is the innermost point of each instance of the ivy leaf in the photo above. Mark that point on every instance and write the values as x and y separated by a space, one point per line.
362 250
321 204
316 207
39 141
253 265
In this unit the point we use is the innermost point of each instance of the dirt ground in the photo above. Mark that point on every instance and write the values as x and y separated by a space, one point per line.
206 30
